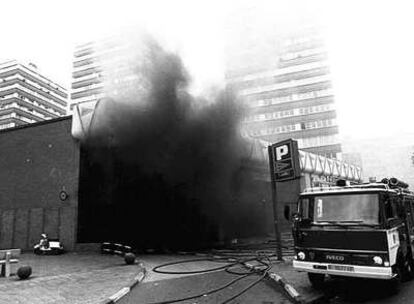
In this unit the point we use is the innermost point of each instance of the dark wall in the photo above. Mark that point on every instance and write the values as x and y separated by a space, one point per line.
38 162
118 203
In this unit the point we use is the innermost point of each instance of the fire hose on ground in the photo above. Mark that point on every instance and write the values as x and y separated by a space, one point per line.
231 262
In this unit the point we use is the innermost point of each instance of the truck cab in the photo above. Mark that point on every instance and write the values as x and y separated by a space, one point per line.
361 230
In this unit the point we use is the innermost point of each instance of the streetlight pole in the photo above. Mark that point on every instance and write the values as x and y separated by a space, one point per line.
274 203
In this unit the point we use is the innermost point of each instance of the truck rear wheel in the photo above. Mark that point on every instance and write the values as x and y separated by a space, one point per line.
317 279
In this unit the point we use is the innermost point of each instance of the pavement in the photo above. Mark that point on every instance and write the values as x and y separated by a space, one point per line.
69 278
91 277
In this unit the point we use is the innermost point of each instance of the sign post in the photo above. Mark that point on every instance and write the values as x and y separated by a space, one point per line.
284 166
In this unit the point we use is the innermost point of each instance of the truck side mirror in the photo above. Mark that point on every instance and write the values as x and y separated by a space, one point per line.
287 212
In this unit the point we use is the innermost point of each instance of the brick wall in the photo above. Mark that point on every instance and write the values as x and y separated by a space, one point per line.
37 162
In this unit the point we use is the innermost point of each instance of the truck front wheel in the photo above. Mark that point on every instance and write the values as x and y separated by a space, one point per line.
317 280
408 270
395 283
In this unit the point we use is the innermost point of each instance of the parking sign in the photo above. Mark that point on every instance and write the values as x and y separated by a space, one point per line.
284 156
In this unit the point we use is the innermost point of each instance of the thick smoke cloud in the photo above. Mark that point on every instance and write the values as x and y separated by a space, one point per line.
163 159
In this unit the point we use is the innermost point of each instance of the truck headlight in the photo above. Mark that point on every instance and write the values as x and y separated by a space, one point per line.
377 260
301 255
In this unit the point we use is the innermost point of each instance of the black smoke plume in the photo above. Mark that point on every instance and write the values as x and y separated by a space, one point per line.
163 169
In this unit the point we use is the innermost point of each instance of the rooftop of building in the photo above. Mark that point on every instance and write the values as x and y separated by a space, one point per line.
32 67
36 124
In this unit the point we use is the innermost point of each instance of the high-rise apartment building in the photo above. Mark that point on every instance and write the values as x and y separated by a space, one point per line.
284 80
26 96
86 76
104 68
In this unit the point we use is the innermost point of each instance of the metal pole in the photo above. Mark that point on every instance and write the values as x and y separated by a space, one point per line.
274 201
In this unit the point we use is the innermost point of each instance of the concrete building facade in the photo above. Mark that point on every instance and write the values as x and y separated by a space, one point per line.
286 86
103 68
87 75
26 96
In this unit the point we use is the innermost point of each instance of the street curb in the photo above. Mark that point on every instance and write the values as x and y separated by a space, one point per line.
288 288
124 291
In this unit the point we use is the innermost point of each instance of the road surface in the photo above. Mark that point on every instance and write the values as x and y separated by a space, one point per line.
367 292
264 292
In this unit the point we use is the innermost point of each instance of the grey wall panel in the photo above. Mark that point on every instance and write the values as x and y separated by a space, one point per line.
51 222
21 224
6 232
35 226
67 229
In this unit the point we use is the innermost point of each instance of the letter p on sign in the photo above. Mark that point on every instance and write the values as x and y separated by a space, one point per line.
282 151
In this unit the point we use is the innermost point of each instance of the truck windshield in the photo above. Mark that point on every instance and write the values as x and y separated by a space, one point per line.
347 209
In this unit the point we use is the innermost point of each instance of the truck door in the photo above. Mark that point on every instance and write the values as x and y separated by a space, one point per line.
408 204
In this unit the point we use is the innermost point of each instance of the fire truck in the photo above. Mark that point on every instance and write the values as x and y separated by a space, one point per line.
363 230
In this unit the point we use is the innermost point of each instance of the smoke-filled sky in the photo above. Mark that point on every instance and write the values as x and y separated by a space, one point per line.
370 43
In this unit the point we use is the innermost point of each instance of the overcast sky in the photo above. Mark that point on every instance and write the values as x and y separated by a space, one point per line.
370 45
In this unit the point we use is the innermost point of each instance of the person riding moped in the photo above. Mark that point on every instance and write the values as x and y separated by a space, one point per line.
44 241
43 244
46 246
